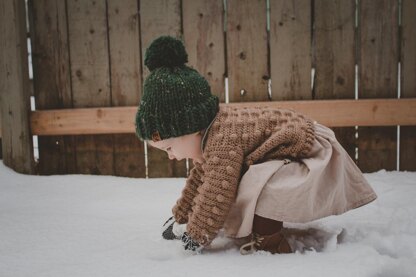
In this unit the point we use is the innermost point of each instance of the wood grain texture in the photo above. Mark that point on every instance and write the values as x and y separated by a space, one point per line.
408 82
290 49
247 50
51 74
14 87
157 18
333 113
126 84
378 66
160 17
334 58
203 31
87 27
0 126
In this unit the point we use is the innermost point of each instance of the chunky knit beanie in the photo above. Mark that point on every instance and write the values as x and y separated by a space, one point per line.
177 100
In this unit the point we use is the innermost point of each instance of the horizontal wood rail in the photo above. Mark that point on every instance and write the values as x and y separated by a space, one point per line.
332 113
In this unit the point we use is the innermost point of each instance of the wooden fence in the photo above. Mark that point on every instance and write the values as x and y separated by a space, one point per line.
89 53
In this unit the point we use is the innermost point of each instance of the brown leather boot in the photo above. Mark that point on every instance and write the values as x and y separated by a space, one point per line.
275 243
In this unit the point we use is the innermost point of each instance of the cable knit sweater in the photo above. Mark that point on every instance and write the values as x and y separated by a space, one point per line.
236 139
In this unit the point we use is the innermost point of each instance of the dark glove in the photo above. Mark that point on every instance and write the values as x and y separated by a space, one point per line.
190 244
167 232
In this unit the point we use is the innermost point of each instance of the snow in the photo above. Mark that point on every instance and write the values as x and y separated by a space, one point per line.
79 225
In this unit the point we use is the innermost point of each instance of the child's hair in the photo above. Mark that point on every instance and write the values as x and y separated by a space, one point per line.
177 100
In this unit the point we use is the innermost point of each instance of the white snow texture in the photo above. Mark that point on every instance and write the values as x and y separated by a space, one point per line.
79 225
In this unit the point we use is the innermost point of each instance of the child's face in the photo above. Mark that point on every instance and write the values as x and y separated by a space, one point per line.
187 146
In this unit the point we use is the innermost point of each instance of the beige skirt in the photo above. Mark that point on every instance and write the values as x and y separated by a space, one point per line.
325 183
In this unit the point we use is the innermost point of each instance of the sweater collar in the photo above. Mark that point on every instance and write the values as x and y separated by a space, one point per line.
204 137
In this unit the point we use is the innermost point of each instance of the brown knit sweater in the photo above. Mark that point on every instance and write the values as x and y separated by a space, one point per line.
236 139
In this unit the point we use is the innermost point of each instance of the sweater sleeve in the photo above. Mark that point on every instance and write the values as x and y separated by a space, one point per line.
184 204
216 194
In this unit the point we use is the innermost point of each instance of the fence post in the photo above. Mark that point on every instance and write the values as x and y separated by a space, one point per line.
14 87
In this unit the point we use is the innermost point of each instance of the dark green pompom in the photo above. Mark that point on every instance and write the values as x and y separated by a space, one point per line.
165 51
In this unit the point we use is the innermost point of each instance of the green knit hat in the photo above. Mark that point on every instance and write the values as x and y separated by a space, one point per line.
177 100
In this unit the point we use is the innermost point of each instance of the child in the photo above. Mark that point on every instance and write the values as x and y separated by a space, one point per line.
253 167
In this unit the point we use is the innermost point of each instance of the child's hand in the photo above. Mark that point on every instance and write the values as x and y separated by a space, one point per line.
190 244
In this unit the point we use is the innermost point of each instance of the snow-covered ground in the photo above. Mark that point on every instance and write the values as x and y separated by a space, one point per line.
77 225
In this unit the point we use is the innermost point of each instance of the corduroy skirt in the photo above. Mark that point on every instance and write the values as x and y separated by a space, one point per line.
325 183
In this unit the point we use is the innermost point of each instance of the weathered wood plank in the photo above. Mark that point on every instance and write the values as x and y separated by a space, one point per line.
378 65
51 74
124 41
87 27
0 125
334 58
408 82
160 17
290 49
1 152
333 113
203 31
157 18
16 139
246 33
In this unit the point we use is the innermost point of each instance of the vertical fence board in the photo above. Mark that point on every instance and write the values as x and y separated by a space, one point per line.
203 32
14 87
157 18
51 78
408 82
290 49
89 60
247 50
334 46
378 40
1 152
124 41
0 129
160 17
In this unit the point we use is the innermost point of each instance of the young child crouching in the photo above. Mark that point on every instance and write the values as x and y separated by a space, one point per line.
254 168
